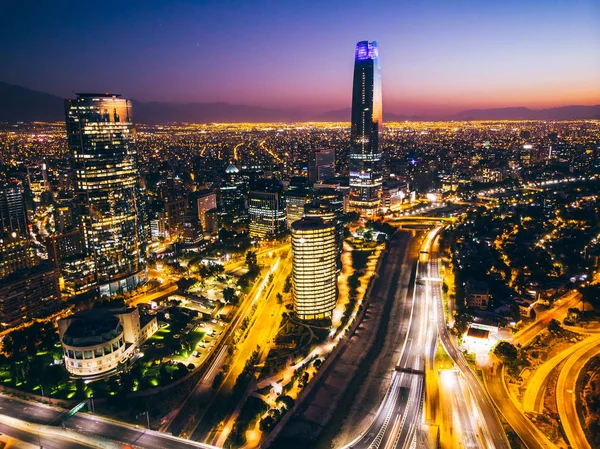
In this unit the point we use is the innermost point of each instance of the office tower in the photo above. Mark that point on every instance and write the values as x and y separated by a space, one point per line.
64 246
206 200
101 138
28 294
192 227
16 252
329 212
13 216
175 210
321 164
266 206
314 255
296 196
232 197
211 218
365 157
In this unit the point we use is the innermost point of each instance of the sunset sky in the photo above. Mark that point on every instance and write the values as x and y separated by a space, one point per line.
436 56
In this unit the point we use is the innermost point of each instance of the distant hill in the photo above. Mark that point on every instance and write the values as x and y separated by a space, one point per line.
212 112
19 104
522 113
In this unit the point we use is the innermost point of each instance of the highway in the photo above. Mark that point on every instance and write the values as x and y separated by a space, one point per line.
482 410
399 418
533 399
566 394
529 434
99 428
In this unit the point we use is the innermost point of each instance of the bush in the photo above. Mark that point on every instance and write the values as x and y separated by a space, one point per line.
506 352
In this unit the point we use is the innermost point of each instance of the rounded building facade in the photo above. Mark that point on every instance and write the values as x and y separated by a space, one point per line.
93 348
314 270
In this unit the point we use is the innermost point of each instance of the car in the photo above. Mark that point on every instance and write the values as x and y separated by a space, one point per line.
195 354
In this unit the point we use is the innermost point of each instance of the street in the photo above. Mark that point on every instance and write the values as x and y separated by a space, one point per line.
93 426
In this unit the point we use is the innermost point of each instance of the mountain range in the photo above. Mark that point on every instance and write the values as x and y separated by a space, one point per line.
19 104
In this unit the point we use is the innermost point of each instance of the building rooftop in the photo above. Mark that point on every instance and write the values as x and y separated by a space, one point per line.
310 223
96 95
478 333
89 331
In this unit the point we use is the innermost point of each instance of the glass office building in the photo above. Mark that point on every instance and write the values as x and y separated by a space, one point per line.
266 206
314 268
101 137
365 158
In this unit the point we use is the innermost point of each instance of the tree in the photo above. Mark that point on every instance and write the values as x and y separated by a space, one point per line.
218 380
279 297
286 400
287 286
267 423
229 295
554 326
184 284
251 259
506 352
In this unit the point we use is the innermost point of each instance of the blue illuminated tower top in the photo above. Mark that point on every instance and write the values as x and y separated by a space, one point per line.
367 50
365 156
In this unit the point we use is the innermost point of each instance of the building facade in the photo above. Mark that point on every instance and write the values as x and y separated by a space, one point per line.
266 207
101 138
321 164
16 252
296 196
29 294
314 271
232 197
96 341
366 171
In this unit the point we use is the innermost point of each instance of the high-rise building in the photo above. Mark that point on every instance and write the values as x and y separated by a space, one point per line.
232 197
296 196
321 164
314 254
16 252
13 216
206 201
365 156
101 137
266 206
330 212
29 294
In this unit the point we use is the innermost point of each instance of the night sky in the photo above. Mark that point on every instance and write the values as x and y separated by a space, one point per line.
436 57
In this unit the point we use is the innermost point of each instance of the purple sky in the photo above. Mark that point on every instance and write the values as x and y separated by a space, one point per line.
439 56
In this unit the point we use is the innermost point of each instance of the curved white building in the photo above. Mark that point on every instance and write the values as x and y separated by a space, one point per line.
96 341
314 278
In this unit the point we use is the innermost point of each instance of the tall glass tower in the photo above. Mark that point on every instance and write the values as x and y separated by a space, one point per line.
365 158
101 137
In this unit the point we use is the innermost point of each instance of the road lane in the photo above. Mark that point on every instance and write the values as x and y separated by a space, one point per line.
491 428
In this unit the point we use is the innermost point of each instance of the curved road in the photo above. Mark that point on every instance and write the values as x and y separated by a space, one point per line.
566 395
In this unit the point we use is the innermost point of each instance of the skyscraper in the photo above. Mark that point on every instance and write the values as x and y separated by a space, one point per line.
321 164
101 137
266 206
16 252
296 197
314 254
365 157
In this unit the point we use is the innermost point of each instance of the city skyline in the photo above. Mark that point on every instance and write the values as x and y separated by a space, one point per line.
439 58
